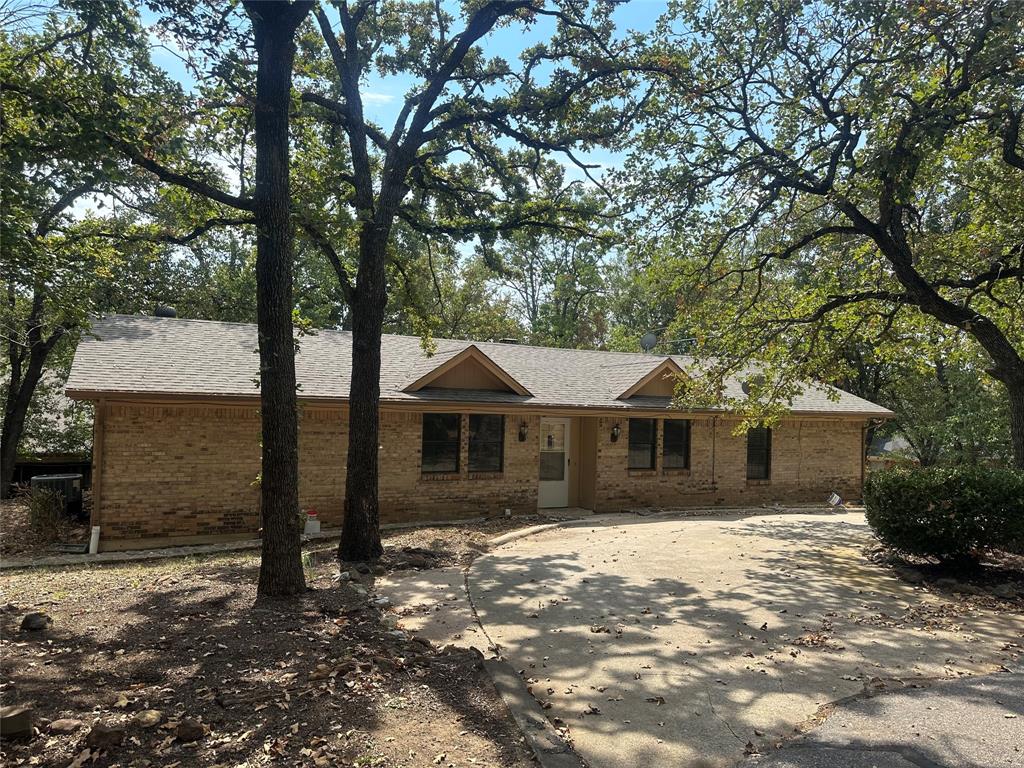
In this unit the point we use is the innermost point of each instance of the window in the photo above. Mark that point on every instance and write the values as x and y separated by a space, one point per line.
486 442
675 452
759 453
643 441
441 442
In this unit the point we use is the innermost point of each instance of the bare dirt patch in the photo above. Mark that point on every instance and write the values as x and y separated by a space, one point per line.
179 658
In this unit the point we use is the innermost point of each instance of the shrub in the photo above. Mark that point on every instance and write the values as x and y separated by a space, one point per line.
950 513
45 512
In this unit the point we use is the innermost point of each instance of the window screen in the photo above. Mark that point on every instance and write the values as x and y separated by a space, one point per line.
676 444
759 453
441 442
642 443
486 442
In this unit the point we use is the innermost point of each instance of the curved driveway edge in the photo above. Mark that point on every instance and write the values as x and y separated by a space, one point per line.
687 640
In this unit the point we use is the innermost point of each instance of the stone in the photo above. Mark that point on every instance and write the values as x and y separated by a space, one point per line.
378 570
105 736
15 722
148 718
362 568
65 725
345 576
35 622
190 730
1005 591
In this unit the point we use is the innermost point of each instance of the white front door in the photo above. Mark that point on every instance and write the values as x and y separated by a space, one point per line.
554 463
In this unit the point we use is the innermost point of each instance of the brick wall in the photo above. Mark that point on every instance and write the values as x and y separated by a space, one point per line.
188 471
810 459
407 495
170 471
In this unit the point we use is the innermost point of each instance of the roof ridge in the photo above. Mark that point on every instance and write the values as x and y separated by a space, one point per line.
647 355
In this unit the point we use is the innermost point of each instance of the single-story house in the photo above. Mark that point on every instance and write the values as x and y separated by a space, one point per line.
475 429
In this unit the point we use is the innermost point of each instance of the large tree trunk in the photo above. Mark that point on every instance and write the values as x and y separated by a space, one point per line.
360 534
1015 393
26 373
19 396
274 24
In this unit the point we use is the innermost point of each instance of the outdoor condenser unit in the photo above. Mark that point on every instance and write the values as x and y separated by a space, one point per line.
70 488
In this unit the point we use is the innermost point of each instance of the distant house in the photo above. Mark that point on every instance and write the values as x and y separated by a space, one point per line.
476 429
888 450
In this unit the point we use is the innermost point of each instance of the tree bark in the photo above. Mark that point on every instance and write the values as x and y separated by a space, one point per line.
1015 395
360 535
19 396
274 25
26 373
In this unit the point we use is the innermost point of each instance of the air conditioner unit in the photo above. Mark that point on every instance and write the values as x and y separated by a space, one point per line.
68 486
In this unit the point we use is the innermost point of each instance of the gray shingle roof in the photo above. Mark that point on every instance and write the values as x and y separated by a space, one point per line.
163 356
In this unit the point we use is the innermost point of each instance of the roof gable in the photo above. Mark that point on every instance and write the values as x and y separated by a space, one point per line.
469 369
660 381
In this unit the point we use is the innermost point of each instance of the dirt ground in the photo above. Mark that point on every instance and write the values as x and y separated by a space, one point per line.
321 680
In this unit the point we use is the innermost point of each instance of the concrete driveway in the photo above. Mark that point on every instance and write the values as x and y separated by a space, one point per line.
679 641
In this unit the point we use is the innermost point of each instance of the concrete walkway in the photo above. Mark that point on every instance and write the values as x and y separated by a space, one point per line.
663 641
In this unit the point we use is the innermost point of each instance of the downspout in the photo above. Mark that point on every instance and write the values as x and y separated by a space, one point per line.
99 413
714 446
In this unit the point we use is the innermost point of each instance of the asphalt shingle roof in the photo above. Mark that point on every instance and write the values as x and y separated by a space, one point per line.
143 355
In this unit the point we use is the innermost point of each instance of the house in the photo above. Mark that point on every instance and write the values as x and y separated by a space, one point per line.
475 429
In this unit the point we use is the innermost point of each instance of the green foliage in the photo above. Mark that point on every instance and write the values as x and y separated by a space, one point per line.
816 176
949 513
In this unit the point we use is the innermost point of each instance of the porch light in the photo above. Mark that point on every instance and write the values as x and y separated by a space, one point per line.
616 431
522 432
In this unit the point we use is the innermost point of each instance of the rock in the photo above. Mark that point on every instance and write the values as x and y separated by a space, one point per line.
1005 590
105 736
378 570
65 725
362 568
35 621
15 722
382 602
190 730
910 575
148 718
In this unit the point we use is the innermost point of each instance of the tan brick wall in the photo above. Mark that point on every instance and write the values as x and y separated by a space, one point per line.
408 495
810 459
188 470
168 471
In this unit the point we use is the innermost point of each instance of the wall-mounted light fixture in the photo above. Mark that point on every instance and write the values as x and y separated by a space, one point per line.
522 431
616 431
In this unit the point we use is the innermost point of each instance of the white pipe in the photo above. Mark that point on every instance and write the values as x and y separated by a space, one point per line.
94 540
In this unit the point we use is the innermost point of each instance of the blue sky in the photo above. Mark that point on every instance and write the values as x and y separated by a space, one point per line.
382 97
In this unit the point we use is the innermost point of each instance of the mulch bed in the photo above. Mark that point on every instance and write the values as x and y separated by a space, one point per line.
224 679
996 581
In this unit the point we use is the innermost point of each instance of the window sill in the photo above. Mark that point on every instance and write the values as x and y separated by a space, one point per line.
676 471
432 476
643 473
758 482
495 474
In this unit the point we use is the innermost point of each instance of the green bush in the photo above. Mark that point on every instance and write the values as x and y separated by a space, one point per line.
950 513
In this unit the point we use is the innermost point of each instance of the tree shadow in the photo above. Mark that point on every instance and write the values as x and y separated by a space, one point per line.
691 643
271 678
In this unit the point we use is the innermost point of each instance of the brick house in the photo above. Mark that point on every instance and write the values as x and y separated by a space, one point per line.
476 429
